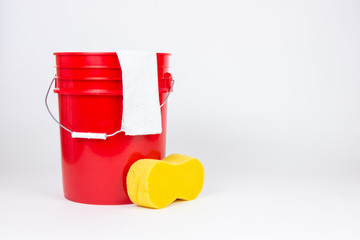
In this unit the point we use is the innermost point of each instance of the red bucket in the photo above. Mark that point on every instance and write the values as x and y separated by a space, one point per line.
90 100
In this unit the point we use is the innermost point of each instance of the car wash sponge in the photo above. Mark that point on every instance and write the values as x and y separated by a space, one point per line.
155 184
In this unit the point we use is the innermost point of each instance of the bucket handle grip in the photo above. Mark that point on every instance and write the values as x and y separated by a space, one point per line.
90 135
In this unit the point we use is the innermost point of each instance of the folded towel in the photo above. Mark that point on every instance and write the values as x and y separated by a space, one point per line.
141 105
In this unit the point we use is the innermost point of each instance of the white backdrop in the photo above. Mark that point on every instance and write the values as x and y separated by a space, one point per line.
266 96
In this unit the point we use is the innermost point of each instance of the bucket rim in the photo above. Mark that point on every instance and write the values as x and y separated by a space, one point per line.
86 67
100 78
89 78
102 67
94 53
100 92
97 92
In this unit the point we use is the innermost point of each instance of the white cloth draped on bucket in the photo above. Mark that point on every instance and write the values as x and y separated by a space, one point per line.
141 105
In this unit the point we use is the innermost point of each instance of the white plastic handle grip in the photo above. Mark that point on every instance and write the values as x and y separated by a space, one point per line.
88 135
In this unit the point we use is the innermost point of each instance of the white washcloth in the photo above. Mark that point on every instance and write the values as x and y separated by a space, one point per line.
141 105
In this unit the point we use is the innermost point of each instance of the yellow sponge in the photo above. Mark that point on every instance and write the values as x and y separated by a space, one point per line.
156 184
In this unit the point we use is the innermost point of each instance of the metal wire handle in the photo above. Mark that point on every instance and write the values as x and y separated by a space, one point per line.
90 135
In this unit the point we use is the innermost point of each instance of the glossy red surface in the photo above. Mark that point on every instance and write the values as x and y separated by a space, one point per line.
94 171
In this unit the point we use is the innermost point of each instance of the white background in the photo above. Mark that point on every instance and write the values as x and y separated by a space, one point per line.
267 97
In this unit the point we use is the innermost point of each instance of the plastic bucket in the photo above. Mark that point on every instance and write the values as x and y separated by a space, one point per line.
90 100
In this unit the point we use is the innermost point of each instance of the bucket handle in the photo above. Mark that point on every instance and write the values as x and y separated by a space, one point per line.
90 135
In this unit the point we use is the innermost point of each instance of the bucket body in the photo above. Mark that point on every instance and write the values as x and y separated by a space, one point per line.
90 100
